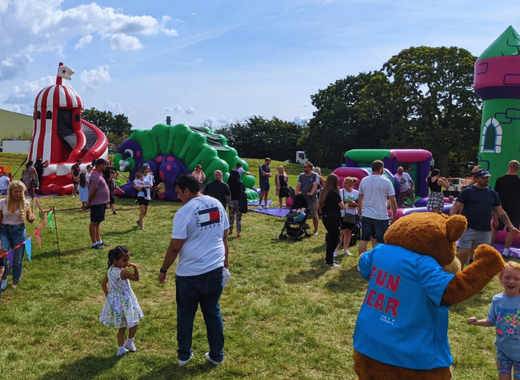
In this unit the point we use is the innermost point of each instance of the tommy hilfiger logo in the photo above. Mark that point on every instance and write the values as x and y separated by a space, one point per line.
209 216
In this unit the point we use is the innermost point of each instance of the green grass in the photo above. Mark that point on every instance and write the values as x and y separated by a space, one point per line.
286 315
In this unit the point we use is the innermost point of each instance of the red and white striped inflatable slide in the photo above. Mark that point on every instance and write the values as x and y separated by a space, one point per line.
61 136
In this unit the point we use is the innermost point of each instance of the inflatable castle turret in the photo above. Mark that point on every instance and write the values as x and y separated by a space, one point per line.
61 136
497 82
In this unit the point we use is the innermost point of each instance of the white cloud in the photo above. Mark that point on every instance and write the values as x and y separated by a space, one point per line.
176 109
198 60
95 79
28 27
26 95
122 41
83 42
301 120
115 107
190 111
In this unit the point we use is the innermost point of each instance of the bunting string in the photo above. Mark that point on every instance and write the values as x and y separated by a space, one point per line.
46 216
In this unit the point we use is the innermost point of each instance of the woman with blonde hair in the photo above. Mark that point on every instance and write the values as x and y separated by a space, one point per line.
14 211
331 206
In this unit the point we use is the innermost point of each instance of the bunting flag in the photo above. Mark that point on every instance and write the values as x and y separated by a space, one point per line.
49 220
28 248
37 233
10 258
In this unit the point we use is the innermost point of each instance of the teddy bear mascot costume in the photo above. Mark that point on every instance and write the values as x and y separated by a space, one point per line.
402 327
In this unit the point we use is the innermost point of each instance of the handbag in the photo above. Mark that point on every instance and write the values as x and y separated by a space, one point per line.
349 218
242 201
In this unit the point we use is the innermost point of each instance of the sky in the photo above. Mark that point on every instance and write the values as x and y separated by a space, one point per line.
213 62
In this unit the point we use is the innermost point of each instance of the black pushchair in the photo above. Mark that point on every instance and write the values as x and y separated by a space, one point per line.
295 224
355 236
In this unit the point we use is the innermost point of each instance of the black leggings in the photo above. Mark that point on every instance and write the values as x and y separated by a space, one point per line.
332 226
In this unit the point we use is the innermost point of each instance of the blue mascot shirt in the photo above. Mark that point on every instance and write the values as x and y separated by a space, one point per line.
401 322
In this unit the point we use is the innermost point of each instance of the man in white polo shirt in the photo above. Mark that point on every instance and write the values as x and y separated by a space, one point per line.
199 238
374 190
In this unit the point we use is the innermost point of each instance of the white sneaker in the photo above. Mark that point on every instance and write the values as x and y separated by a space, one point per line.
315 233
336 253
121 352
206 355
130 346
259 207
347 252
182 363
148 198
334 265
3 284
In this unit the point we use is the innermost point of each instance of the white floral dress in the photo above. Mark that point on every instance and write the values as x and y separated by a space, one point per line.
121 307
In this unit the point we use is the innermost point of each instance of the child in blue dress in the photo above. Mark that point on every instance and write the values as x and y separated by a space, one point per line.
504 314
83 190
121 308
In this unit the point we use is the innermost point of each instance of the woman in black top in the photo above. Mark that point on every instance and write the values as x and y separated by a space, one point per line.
331 206
436 183
236 187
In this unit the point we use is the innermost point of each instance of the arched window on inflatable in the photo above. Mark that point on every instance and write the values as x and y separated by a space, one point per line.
491 137
38 115
49 115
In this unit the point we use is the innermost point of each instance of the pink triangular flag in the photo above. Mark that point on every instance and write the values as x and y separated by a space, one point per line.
37 232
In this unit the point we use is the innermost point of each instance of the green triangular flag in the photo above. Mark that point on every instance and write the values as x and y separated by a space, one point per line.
49 220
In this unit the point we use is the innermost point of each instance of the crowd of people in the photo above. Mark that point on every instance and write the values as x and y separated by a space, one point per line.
201 228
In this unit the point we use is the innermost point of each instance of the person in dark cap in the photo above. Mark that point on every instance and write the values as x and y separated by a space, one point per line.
98 198
478 203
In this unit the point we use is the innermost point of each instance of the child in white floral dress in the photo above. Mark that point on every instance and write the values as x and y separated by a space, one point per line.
121 308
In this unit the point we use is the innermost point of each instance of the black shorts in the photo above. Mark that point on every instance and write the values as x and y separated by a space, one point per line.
142 201
514 218
97 213
264 187
347 226
112 199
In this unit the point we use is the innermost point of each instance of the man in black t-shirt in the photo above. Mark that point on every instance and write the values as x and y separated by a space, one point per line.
478 203
218 189
508 189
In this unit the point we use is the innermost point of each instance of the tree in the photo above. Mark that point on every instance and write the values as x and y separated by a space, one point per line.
335 126
257 137
442 110
422 98
117 127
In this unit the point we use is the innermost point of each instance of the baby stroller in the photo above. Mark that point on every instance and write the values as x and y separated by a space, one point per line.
356 232
295 224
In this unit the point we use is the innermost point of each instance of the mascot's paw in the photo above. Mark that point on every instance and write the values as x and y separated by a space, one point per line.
490 256
468 282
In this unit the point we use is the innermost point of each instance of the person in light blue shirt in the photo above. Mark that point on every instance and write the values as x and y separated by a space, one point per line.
504 314
402 321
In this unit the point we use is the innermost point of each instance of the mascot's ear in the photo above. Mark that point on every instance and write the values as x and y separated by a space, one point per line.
455 227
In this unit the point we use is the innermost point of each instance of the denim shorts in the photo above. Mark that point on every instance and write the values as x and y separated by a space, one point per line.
370 226
473 238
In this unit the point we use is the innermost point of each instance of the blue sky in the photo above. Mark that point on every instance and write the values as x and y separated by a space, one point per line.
213 61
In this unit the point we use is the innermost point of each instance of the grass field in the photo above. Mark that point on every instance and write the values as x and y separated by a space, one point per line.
286 315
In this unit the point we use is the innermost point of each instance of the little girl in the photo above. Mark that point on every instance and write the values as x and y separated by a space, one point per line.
83 190
280 181
121 308
504 315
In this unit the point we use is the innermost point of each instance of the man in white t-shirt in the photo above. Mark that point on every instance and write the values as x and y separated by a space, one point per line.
199 238
406 189
4 183
374 191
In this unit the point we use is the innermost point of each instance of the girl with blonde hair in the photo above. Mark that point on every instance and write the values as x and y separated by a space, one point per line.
14 211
